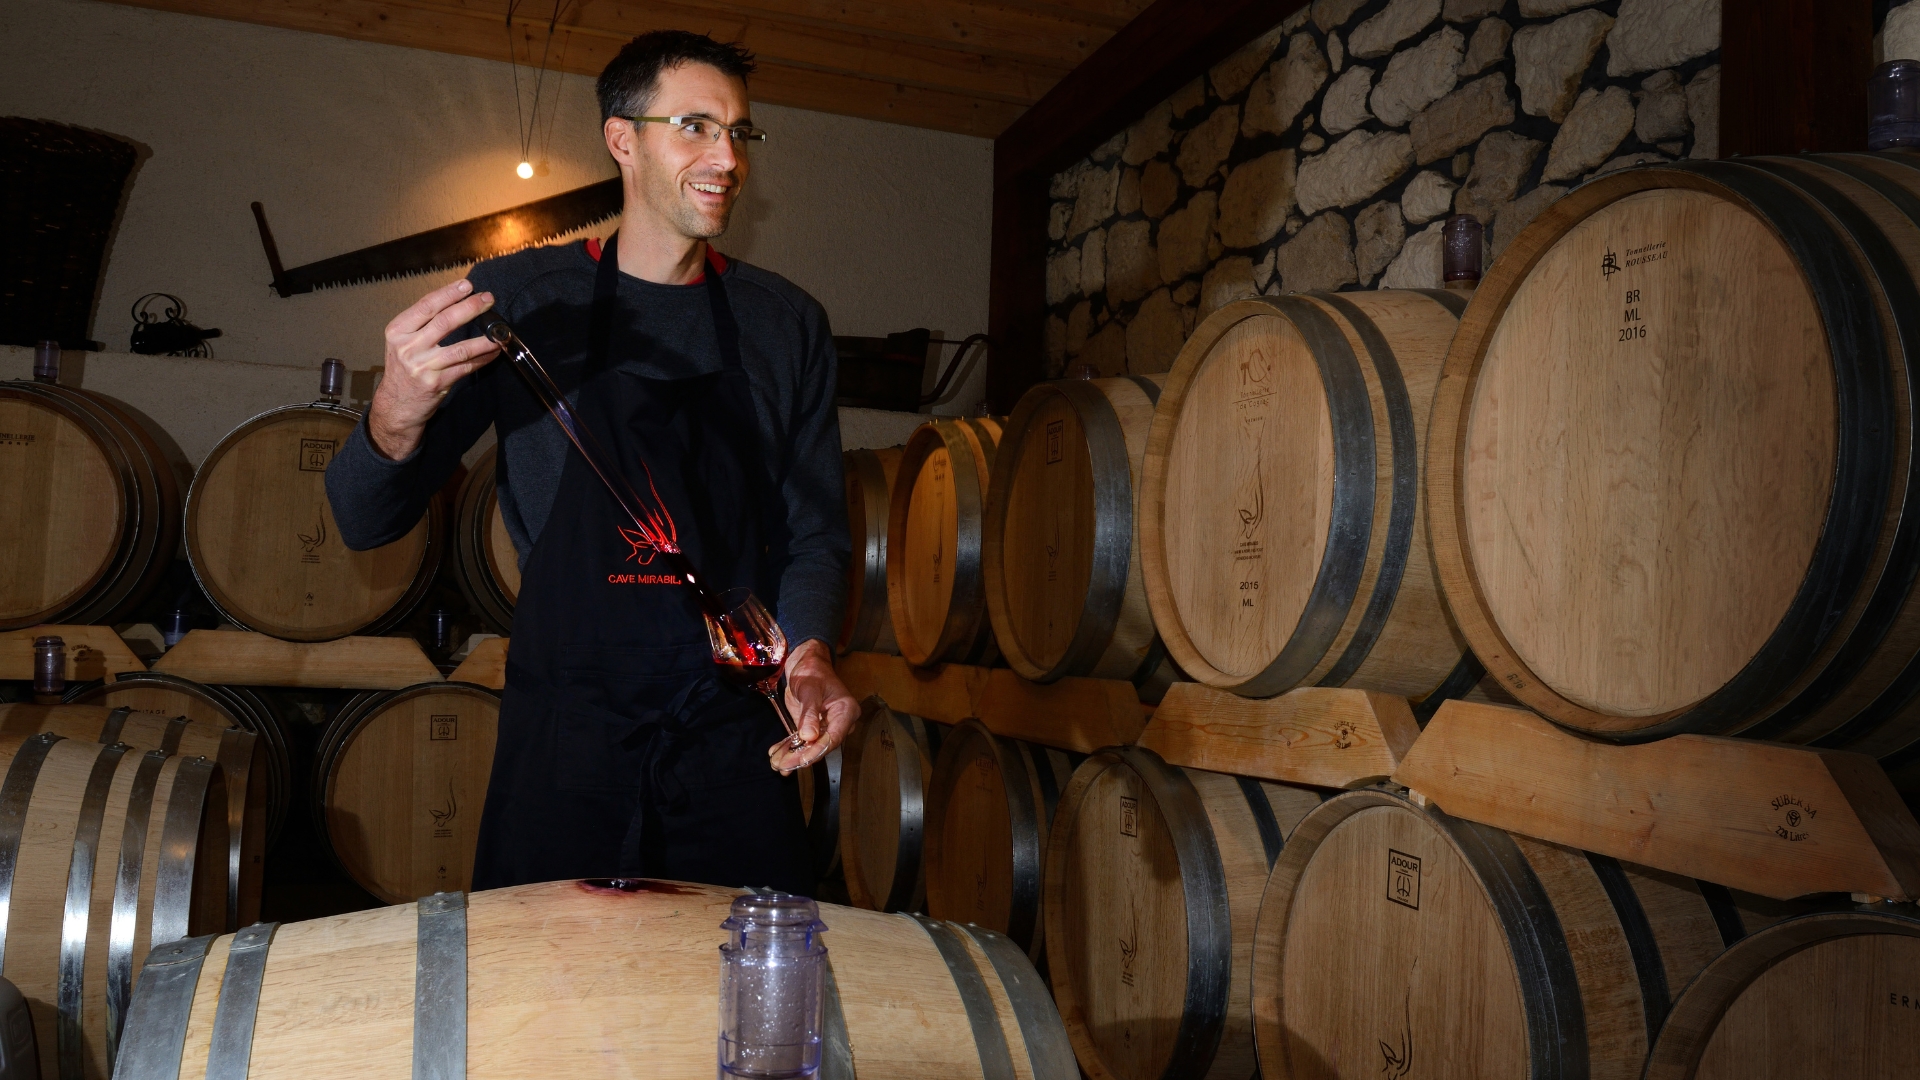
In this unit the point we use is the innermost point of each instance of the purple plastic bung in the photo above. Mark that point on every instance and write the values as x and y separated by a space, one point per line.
1461 247
333 378
49 666
46 362
1893 114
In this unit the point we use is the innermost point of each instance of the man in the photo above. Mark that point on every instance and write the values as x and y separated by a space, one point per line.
711 382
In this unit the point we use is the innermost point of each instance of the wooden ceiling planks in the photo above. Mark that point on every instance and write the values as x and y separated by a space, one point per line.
952 65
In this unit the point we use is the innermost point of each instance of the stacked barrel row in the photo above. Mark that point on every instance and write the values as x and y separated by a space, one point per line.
1658 482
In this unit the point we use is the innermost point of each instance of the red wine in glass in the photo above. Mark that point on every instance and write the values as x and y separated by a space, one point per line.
749 645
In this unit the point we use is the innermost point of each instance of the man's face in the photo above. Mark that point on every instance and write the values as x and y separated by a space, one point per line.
691 186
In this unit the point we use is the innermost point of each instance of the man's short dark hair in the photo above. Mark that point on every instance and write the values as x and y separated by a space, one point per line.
627 86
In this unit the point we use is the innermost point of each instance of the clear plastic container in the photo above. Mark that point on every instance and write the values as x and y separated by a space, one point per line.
772 977
178 623
1462 249
49 669
46 362
1893 117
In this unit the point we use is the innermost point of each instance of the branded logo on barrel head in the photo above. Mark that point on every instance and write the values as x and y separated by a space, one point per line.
1795 818
1403 878
444 814
443 728
1610 265
1130 946
14 438
1056 441
315 453
311 541
1129 816
1397 1060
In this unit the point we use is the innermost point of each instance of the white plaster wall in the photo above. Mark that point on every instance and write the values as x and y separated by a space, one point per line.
350 144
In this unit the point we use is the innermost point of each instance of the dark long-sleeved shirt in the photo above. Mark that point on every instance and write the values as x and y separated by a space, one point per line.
662 332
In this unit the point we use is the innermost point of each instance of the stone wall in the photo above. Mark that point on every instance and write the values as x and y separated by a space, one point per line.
1327 153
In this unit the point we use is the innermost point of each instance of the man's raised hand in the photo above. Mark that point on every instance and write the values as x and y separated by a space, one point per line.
420 371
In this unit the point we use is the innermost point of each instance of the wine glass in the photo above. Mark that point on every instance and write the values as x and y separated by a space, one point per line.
750 647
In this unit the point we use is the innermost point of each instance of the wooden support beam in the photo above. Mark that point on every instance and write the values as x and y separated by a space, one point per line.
485 666
1320 736
1082 715
244 658
93 652
1163 47
902 64
1793 75
1767 818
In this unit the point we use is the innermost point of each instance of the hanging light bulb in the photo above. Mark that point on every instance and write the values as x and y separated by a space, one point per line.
525 170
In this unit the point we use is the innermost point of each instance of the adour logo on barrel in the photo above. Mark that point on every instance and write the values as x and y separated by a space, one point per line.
1129 816
1403 879
1056 441
315 453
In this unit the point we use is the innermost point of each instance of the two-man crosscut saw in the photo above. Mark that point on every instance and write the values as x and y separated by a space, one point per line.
448 246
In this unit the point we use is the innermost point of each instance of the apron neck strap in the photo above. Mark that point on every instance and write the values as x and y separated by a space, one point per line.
606 301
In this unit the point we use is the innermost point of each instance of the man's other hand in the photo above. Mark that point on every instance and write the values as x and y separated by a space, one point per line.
420 372
819 703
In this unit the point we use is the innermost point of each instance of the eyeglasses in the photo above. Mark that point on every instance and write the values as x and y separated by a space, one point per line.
704 129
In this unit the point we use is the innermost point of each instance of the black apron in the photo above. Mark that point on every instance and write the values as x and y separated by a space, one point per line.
621 751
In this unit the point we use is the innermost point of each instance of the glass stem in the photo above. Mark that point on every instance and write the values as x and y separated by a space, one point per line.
786 717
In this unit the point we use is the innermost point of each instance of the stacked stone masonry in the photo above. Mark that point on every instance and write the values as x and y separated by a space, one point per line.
1327 153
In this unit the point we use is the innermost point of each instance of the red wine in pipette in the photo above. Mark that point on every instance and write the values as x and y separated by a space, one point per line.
650 520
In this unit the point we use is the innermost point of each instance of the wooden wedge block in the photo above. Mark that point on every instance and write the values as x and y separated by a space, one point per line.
1320 736
93 652
244 658
1769 818
485 666
1076 714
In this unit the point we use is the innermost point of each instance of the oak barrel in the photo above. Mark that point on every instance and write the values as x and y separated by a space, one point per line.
1672 485
1824 996
486 566
609 978
104 849
399 780
148 713
261 538
868 626
1392 938
1280 531
1153 880
820 803
935 591
886 769
1058 547
89 507
989 814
